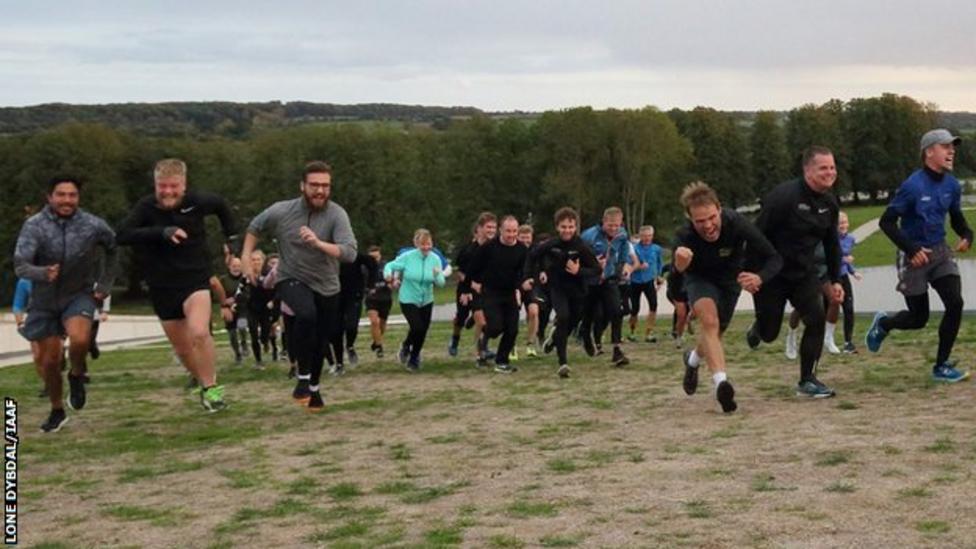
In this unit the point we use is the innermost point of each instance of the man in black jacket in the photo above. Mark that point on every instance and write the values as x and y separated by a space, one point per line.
797 215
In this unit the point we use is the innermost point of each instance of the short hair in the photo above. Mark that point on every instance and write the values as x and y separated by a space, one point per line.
169 167
645 228
421 235
612 211
373 248
506 218
485 218
565 213
525 228
58 179
260 253
274 256
698 193
813 151
316 166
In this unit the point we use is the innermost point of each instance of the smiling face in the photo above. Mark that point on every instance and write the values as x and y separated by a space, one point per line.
509 232
488 231
646 237
235 266
842 223
170 191
317 188
611 225
940 157
64 199
707 221
257 262
566 229
820 173
425 245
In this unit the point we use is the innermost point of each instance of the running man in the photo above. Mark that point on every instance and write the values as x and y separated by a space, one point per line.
611 245
710 250
167 229
560 264
468 302
314 235
235 321
497 273
529 303
797 215
379 300
56 251
915 222
353 279
645 280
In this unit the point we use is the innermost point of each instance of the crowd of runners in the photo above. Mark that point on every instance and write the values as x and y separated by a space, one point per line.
303 302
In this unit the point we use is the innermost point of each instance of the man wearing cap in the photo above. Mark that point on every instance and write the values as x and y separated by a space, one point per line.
915 222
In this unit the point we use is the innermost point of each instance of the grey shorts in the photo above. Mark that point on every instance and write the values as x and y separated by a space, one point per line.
725 296
915 280
41 324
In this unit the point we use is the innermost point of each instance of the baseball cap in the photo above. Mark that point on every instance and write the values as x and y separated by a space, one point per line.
938 137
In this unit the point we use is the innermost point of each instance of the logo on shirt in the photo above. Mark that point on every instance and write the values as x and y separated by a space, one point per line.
803 207
187 210
822 210
926 198
724 252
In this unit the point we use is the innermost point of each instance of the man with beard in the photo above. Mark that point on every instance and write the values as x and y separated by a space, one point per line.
167 229
56 252
314 235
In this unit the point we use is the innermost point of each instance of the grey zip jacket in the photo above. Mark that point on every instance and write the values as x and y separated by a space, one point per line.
47 239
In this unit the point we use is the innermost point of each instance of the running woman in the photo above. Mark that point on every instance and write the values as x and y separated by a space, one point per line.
56 251
847 271
416 273
235 321
711 251
915 222
167 230
314 235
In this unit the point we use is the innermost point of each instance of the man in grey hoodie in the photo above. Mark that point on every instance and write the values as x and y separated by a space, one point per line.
56 250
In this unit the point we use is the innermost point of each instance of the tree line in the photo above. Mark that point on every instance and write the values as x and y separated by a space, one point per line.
394 178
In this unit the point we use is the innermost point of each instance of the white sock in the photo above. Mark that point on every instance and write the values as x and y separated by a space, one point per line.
693 358
313 388
718 377
791 331
304 377
829 331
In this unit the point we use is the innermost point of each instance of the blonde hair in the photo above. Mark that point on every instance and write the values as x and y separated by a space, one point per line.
698 193
525 229
612 211
169 167
421 235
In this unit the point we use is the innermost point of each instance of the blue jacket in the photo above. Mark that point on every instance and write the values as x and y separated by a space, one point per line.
847 243
616 251
922 203
417 276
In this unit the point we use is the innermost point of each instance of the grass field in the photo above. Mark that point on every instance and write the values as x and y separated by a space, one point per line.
456 456
878 250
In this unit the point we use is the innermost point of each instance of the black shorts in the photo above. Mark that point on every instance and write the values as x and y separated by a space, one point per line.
477 302
527 298
167 303
646 289
725 296
382 307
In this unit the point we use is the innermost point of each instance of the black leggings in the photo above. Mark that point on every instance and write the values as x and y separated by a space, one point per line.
418 318
602 308
848 308
646 289
916 317
567 306
806 295
502 316
259 326
350 309
315 318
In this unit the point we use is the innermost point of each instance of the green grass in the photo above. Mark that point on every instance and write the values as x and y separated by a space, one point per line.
528 509
878 250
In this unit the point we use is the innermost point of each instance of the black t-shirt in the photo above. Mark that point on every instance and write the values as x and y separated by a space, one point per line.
463 262
356 276
795 219
168 265
722 261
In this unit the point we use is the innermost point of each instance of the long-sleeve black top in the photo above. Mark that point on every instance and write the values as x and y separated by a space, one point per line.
722 261
148 229
499 267
794 218
551 257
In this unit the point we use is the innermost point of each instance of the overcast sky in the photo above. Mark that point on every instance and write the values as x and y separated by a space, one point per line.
495 55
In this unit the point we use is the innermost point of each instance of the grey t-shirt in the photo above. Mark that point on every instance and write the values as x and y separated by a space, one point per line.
302 262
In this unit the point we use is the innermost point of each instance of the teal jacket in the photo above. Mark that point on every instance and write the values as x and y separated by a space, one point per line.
417 276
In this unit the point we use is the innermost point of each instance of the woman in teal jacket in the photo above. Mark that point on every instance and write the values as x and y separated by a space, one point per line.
415 274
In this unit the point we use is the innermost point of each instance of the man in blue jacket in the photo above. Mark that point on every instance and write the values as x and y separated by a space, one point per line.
611 246
924 258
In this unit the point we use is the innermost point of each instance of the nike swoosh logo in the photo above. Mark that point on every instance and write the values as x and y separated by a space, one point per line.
187 210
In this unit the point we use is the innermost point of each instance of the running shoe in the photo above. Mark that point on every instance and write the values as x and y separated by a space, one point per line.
404 354
631 338
588 346
563 371
619 359
337 370
452 350
76 392
212 398
813 388
830 346
850 349
301 394
550 343
876 334
530 351
690 382
505 368
947 373
55 421
315 402
513 356
725 394
651 338
352 357
413 365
